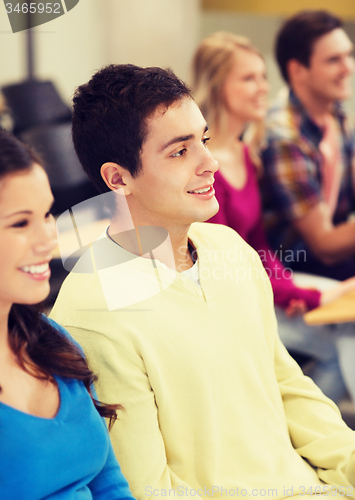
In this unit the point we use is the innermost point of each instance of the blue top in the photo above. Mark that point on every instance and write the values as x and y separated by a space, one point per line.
66 457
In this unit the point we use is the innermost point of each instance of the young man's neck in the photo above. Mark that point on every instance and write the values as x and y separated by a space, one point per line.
173 251
317 106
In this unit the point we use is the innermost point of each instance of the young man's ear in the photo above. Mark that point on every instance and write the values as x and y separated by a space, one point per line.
296 71
116 177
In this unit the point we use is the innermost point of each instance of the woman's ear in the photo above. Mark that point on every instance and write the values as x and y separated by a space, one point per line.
115 177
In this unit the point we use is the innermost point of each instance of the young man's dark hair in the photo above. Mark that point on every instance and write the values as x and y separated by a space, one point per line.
110 114
296 37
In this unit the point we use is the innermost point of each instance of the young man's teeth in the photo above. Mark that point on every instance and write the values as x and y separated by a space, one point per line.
35 269
200 191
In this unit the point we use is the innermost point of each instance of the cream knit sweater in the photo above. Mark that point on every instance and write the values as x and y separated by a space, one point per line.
214 405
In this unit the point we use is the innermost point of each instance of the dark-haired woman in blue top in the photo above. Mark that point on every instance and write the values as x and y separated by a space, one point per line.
54 443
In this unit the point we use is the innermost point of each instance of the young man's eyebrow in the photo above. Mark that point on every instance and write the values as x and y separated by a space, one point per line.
350 53
181 138
175 140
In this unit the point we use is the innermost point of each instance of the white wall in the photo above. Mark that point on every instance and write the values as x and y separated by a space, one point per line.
68 48
96 32
144 32
153 32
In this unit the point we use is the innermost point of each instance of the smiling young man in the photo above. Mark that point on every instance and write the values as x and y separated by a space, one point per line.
309 178
175 187
187 341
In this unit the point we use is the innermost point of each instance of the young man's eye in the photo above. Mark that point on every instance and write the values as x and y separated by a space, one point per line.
205 140
334 60
180 153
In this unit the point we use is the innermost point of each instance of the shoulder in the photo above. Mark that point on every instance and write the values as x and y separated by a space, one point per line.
56 326
215 234
282 119
62 331
79 293
217 237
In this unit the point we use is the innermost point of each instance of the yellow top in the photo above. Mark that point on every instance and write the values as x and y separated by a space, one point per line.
213 402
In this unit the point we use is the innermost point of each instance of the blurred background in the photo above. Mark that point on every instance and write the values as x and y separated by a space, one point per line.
41 67
70 48
66 51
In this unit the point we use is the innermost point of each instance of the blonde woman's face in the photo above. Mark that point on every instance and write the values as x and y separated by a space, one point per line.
246 87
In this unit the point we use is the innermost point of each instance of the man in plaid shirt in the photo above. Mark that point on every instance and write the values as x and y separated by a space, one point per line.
308 186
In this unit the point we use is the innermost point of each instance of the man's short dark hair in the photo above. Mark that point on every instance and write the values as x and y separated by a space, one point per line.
297 36
110 114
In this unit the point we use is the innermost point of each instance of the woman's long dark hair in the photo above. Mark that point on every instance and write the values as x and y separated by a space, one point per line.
41 349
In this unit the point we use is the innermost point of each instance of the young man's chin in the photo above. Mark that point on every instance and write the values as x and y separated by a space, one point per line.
215 209
210 213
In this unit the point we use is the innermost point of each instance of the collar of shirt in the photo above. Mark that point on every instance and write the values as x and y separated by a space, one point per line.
307 127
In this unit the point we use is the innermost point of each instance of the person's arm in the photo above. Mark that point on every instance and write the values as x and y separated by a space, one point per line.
316 429
331 244
291 181
136 437
294 299
110 483
285 291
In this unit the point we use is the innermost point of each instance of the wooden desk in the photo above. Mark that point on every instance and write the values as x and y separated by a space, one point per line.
341 310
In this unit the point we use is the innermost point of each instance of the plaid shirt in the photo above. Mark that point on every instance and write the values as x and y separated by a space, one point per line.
292 182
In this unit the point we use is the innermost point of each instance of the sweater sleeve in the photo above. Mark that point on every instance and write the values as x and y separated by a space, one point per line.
110 484
316 428
281 278
136 438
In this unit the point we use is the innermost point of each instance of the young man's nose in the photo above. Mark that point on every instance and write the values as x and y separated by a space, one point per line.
208 163
348 65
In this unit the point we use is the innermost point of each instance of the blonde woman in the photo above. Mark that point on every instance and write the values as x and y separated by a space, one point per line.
231 88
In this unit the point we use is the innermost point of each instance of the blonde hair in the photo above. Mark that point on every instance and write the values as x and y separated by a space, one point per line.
211 65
